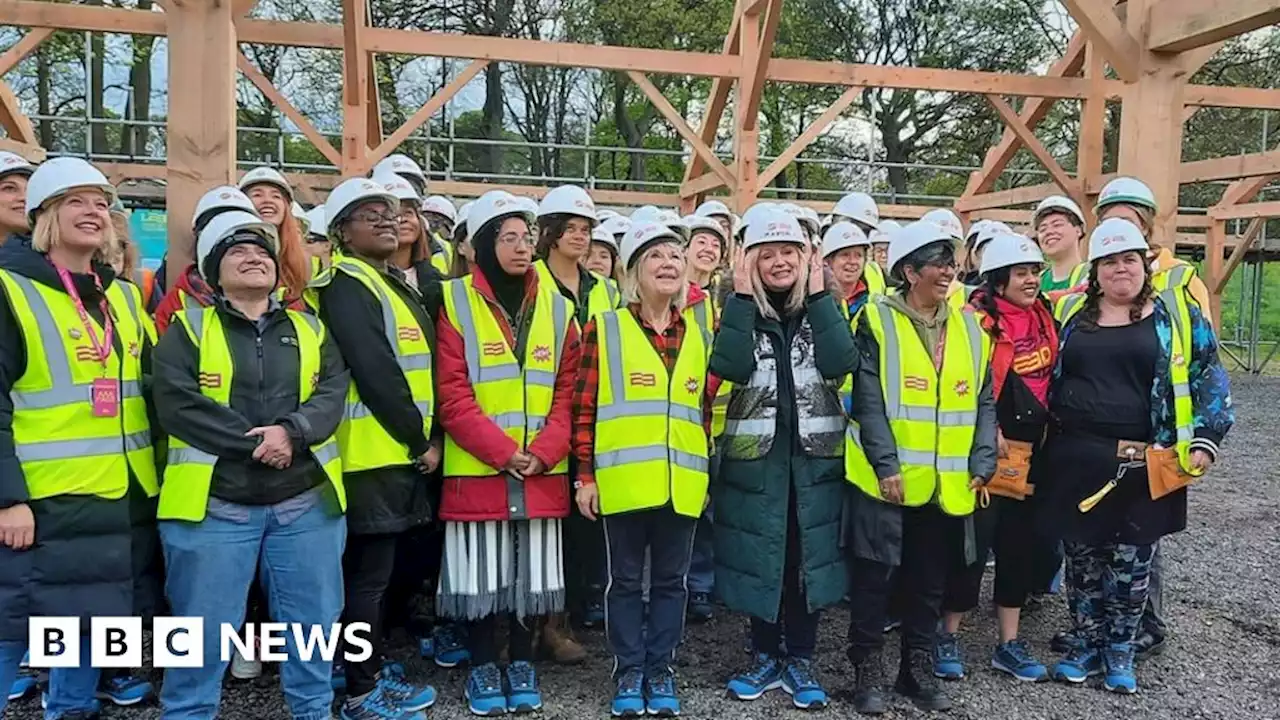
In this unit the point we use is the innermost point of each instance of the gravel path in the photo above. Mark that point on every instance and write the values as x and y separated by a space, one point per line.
1222 593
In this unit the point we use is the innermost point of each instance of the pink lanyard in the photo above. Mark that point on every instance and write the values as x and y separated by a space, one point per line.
103 349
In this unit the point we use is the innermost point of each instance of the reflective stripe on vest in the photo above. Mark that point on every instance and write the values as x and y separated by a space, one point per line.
364 442
188 473
63 448
1067 306
932 414
702 313
650 444
517 399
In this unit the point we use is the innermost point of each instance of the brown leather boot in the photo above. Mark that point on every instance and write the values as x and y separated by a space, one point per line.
557 641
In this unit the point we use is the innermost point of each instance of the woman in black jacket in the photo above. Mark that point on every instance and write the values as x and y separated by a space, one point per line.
251 394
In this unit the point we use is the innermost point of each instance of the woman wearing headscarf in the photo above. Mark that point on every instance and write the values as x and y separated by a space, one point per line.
1014 313
1141 404
389 440
508 354
642 450
922 441
78 466
786 348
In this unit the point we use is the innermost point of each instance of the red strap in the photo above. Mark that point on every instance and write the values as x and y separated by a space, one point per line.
103 349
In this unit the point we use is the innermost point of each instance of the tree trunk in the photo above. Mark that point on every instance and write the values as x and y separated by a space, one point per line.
491 119
629 131
134 140
895 151
44 83
97 48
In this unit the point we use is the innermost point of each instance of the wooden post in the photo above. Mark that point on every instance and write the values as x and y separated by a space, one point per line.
1214 240
1093 120
746 130
355 89
201 130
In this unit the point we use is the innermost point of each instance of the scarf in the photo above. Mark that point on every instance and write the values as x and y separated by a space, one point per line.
1029 332
508 289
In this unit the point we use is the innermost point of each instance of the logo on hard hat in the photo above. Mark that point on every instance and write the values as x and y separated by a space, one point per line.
1112 239
225 196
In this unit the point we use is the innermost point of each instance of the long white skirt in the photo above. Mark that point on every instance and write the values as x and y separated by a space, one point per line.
499 567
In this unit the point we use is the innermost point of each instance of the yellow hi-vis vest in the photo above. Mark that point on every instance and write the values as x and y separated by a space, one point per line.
650 445
1176 304
703 315
63 448
443 257
517 399
189 471
873 276
932 415
604 295
364 443
846 387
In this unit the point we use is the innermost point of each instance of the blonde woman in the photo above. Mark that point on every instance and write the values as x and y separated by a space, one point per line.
786 348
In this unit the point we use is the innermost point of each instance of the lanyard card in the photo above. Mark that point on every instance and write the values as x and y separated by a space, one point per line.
106 397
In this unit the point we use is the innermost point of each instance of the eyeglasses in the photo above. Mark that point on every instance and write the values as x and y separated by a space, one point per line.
516 239
373 218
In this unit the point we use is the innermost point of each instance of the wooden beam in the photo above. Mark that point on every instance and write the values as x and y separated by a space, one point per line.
746 134
701 184
1093 123
677 121
24 47
1069 185
1264 210
1098 18
1245 189
810 134
355 87
1237 166
12 119
1180 25
1215 240
32 153
200 133
424 113
763 52
281 103
373 108
717 99
1250 234
1034 110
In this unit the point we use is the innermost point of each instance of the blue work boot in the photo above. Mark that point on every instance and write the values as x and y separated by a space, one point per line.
1078 665
802 685
1117 661
764 675
523 693
376 706
485 696
948 663
628 697
396 687
125 690
660 695
1015 658
449 645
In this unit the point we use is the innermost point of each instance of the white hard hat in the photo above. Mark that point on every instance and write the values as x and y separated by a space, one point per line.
1057 203
713 207
912 237
400 187
603 214
316 221
441 205
227 225
884 231
604 237
12 163
843 234
266 176
1114 236
1126 190
703 223
616 225
642 235
797 212
989 230
858 206
946 220
646 214
463 213
223 197
400 165
1006 249
55 178
755 212
774 226
352 192
496 204
300 215
568 200
813 217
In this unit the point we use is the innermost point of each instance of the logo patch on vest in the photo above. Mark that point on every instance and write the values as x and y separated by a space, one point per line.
643 379
542 353
915 382
1178 359
691 385
492 348
74 333
210 380
134 350
962 387
86 353
408 332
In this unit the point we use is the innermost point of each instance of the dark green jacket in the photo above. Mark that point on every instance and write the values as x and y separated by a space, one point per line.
751 496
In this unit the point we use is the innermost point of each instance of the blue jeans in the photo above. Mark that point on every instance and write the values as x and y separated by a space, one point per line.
73 688
211 565
11 652
702 568
669 540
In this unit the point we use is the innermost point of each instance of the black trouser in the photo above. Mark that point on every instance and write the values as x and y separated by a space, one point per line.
1008 527
920 577
795 623
367 565
482 639
416 571
584 563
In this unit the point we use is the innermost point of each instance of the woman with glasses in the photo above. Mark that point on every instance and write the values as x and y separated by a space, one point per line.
388 442
508 357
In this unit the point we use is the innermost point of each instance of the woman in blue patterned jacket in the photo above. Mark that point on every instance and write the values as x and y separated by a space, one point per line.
1140 404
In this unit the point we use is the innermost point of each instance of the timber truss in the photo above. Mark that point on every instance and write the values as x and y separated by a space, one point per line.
1152 47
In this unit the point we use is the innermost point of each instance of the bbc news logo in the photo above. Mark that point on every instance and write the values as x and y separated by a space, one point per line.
179 642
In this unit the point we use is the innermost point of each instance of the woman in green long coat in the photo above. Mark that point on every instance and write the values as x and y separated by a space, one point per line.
786 348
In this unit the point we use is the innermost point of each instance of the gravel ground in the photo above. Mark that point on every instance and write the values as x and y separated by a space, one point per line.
1222 594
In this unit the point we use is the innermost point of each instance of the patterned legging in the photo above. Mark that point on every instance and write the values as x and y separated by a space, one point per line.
1108 590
